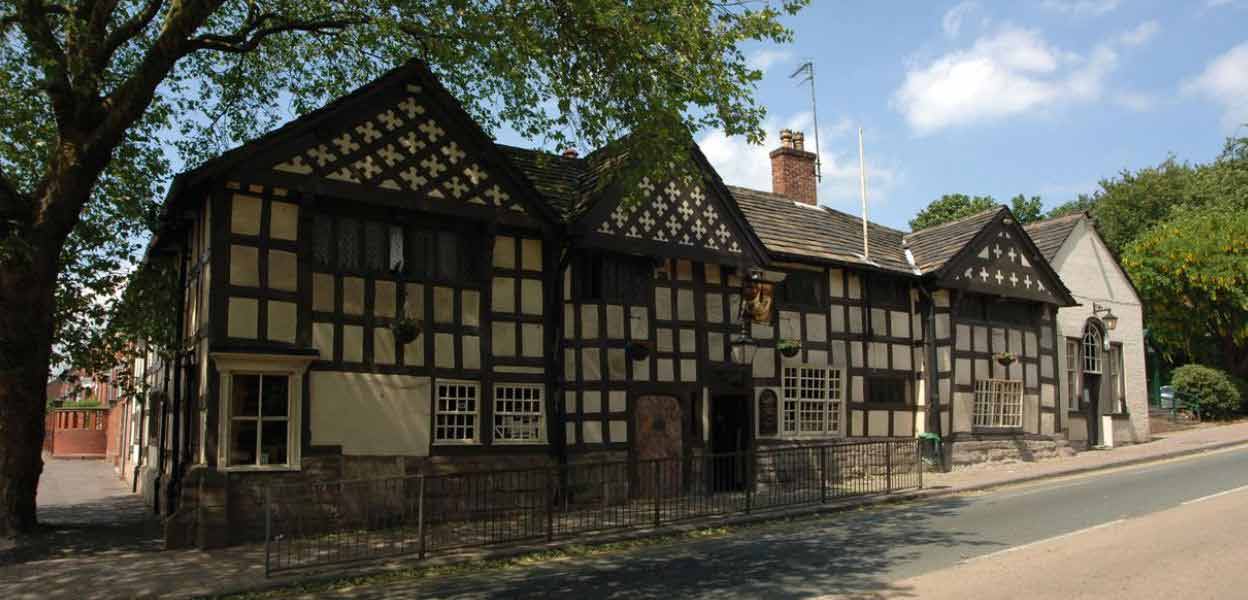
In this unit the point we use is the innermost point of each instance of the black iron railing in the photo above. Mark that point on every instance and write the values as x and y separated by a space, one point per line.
340 522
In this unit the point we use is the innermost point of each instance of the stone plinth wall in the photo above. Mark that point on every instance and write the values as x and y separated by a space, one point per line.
971 452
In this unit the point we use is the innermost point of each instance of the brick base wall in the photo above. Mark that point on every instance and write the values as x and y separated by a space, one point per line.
79 442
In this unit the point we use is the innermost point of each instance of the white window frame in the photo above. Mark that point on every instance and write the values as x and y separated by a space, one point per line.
500 427
799 397
1073 371
1092 359
230 364
998 404
1113 374
439 413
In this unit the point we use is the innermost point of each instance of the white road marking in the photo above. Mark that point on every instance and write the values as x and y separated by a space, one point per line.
1211 496
1043 541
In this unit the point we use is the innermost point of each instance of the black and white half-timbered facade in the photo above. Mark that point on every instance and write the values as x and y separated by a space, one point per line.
378 289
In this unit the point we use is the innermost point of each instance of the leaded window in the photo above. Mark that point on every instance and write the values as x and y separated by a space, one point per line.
998 403
519 414
804 288
614 278
1092 351
457 413
376 246
349 244
812 400
323 240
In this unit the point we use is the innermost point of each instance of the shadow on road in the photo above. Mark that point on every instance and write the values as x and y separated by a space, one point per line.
845 555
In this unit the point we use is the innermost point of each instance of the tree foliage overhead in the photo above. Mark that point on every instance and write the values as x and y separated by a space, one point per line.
950 207
1027 210
119 80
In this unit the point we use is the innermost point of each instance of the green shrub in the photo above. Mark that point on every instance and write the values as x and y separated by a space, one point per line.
1206 390
1241 385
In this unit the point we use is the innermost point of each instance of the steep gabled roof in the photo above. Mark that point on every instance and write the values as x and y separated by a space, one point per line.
933 247
1050 234
558 178
792 229
411 81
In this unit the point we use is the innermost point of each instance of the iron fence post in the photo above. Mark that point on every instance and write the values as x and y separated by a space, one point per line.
918 462
420 516
823 474
268 527
751 473
550 507
888 465
658 493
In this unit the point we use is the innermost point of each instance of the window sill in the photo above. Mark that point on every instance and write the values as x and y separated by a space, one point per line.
520 443
456 443
261 468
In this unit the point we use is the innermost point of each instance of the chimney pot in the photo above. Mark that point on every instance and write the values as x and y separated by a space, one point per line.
793 168
571 153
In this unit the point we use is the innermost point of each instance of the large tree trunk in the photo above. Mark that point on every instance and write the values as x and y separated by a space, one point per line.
27 290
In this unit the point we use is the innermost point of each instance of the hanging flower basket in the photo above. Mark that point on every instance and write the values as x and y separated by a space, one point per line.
789 348
1005 358
637 350
407 330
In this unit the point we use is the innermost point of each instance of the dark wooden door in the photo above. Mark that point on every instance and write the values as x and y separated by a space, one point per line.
1090 401
658 423
729 438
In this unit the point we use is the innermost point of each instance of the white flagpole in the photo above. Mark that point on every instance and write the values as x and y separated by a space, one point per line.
862 179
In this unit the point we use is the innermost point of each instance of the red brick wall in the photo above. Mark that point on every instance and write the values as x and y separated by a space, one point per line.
116 421
77 433
79 442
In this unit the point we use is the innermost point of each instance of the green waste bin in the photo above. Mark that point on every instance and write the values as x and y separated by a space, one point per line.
929 446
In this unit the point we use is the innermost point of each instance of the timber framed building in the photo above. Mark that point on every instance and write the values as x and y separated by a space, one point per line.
378 289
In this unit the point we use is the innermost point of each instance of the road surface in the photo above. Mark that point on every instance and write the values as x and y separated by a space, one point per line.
1173 529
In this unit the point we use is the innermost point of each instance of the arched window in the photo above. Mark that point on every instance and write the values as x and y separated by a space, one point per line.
1091 350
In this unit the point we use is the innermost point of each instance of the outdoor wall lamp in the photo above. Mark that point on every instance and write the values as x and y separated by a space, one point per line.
741 345
1110 319
743 349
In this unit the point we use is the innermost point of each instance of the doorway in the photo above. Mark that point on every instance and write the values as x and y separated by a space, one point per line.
1089 402
730 438
659 423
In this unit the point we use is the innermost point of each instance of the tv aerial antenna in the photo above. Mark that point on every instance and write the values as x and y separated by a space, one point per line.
805 73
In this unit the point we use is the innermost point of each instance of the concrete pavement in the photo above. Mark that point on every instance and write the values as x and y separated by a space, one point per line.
1192 551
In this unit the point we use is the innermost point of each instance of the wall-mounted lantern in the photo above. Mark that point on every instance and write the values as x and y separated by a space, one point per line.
1109 318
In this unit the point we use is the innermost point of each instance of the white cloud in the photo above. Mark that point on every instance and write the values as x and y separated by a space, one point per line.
1225 81
741 163
1090 8
1136 101
764 59
952 21
1141 34
1006 72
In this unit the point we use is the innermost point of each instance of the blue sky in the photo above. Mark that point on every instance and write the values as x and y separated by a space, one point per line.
1044 97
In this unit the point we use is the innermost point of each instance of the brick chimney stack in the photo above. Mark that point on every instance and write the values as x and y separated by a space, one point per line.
793 168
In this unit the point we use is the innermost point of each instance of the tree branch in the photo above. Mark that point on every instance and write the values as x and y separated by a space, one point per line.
127 31
250 36
32 18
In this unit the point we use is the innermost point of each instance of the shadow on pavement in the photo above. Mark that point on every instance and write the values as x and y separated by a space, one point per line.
845 555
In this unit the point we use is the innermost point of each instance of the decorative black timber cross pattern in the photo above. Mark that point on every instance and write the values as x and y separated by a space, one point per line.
402 147
1001 263
678 211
